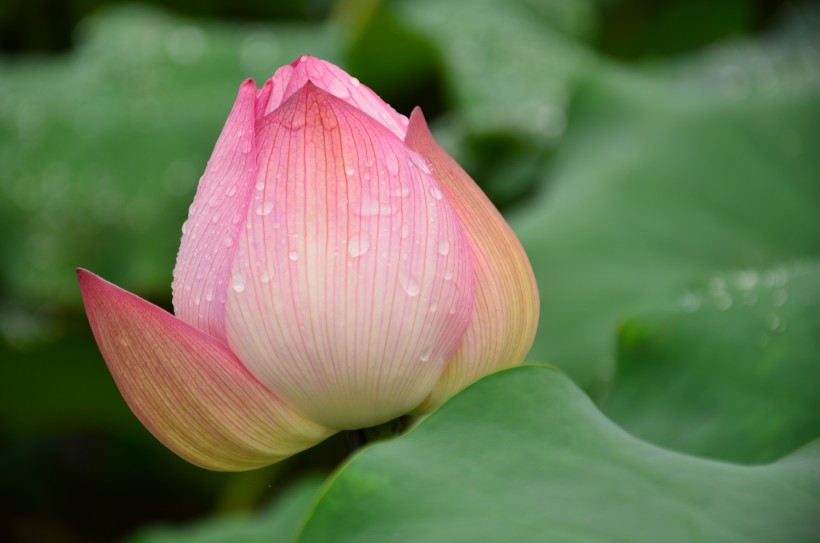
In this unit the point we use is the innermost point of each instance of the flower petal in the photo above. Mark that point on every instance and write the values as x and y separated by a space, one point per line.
187 388
353 283
507 305
215 218
330 78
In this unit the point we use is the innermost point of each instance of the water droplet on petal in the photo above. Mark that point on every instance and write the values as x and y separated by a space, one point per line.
358 245
355 82
402 191
448 275
420 163
425 355
410 285
349 171
293 255
405 231
232 190
228 241
392 163
265 277
434 308
435 193
443 247
238 283
213 200
260 185
245 146
264 208
185 226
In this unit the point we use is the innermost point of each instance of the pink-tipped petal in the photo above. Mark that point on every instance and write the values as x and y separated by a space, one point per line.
289 79
187 388
353 283
507 305
217 214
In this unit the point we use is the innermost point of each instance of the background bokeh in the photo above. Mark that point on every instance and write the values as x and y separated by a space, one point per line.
660 161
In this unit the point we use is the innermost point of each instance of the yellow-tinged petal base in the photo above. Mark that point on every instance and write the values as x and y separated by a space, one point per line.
188 388
506 311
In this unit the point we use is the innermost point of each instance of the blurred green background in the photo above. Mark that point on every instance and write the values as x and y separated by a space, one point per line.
660 161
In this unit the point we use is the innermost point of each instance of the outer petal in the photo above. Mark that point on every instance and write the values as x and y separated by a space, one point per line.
353 283
187 388
330 78
507 305
215 219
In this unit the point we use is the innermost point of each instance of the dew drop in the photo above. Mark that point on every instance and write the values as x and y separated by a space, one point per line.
349 171
443 247
690 302
238 283
402 191
420 163
392 163
355 82
215 217
448 275
358 245
425 355
723 302
265 277
186 226
410 285
245 146
232 190
228 241
453 310
435 193
405 231
209 296
213 200
264 208
434 308
293 255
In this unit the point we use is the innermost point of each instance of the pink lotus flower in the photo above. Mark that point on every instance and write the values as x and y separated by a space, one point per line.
337 270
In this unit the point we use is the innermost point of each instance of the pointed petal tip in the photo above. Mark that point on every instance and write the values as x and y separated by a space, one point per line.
507 309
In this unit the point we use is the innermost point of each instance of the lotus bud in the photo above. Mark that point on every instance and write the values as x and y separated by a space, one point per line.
337 270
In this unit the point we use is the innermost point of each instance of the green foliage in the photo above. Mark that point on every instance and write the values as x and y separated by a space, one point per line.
671 211
276 523
523 455
101 151
728 369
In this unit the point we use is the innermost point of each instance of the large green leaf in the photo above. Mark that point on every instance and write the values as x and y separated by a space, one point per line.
276 523
101 149
728 369
524 455
658 184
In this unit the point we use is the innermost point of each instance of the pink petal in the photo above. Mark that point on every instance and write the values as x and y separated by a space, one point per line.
289 79
507 305
353 283
216 216
187 388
